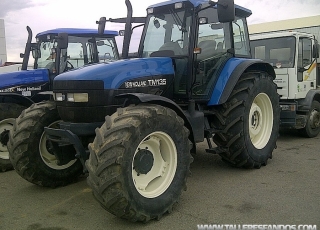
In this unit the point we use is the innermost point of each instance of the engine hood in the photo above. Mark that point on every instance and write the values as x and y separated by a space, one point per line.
23 77
116 73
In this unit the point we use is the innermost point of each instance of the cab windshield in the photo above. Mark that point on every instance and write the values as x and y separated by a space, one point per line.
81 51
167 32
279 52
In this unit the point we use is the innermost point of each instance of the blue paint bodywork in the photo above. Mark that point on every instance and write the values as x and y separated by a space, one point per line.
229 67
78 32
15 79
114 74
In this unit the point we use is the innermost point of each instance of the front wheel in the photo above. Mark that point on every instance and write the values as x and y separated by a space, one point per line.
8 113
139 162
33 156
249 121
312 127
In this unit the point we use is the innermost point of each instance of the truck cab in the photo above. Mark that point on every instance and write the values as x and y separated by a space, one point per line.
294 58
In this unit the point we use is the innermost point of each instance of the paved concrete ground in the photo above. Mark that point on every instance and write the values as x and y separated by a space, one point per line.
286 191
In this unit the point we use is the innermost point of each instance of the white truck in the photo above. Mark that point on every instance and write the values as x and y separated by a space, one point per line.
294 57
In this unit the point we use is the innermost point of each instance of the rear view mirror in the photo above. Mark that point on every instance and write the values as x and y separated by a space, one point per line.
316 50
62 40
226 10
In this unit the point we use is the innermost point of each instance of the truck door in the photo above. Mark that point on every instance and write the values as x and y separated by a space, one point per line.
306 67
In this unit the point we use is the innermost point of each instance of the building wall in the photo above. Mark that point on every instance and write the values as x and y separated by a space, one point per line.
3 50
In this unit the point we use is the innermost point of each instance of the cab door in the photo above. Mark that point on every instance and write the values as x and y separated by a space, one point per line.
306 71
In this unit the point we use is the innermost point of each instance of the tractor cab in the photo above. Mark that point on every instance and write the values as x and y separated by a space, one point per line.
200 38
76 48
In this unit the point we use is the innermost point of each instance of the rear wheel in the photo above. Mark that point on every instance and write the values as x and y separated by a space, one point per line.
33 156
249 121
312 127
9 112
139 162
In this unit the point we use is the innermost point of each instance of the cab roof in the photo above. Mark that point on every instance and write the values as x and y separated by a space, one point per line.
240 11
79 32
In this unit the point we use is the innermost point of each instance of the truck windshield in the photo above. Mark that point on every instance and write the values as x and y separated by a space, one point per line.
168 31
279 52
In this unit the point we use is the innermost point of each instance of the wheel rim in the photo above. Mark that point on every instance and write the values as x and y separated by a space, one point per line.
260 120
154 164
49 158
5 126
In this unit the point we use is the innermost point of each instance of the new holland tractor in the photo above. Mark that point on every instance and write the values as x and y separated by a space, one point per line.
133 123
19 90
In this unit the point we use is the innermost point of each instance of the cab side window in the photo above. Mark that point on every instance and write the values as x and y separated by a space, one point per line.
241 43
305 52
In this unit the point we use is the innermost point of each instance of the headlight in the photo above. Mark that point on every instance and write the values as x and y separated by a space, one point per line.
77 97
58 97
150 11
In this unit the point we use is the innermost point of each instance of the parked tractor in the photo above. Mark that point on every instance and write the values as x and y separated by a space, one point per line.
20 89
133 123
294 58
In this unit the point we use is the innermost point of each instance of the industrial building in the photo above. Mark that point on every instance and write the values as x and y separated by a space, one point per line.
3 50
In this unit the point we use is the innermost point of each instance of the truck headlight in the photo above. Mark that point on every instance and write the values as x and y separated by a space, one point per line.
77 97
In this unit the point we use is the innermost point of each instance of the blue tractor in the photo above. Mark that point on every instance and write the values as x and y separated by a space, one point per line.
192 80
19 90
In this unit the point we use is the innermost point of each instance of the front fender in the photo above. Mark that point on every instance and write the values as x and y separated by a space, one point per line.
160 100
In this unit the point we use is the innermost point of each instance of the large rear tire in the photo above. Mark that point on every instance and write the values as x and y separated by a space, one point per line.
249 121
31 153
8 113
312 127
139 161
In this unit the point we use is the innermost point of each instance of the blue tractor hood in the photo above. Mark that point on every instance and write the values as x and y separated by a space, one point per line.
116 73
23 77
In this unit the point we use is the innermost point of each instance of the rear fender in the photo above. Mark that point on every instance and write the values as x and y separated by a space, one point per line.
230 75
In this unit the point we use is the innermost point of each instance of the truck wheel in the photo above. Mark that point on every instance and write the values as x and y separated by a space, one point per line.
9 112
32 154
139 161
249 121
312 127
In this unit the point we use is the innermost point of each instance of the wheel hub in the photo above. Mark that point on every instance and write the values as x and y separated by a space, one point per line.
255 122
143 161
4 137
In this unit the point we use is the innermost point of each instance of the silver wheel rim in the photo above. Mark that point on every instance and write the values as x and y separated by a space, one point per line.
5 125
158 179
50 159
260 120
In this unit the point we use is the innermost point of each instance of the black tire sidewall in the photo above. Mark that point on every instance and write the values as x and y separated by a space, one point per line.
309 131
36 164
265 86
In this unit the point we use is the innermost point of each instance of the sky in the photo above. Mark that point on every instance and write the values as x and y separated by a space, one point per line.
41 15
